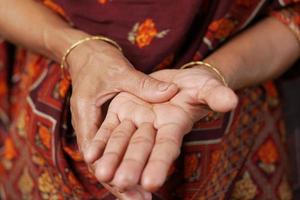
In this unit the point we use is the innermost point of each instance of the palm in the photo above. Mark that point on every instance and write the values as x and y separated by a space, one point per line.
126 106
138 141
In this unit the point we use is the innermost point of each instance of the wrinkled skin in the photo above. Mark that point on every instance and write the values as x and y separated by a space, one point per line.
99 72
138 141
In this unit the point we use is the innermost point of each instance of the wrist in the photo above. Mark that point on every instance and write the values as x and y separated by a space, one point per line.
95 49
209 67
228 65
57 41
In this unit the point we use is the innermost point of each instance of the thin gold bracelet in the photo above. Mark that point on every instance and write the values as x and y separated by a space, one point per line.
76 44
207 65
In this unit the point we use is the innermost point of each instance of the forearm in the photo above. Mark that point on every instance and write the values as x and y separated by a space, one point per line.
30 24
261 53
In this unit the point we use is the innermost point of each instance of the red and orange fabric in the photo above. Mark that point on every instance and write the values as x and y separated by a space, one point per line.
239 155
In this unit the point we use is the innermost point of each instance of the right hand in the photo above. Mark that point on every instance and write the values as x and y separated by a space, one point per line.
138 141
98 72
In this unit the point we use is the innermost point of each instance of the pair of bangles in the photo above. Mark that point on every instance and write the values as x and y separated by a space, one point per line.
115 44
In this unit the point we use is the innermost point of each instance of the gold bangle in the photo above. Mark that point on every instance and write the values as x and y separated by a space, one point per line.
207 65
76 44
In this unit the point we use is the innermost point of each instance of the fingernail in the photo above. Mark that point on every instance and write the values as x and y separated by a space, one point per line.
133 194
164 86
148 196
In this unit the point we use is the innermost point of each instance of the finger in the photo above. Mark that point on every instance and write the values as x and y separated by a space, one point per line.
132 194
146 195
86 119
135 158
114 151
166 149
148 88
113 190
137 193
219 98
96 147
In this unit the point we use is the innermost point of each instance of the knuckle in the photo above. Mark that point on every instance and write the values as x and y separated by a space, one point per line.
112 154
169 141
107 128
133 160
100 142
172 144
126 180
101 174
141 140
160 162
146 83
119 135
150 183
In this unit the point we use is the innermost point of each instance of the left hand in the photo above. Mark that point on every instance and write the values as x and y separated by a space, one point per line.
138 141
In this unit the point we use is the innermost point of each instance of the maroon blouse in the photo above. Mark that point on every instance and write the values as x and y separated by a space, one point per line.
39 158
164 32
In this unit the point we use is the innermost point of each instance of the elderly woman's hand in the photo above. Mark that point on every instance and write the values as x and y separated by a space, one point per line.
138 141
99 71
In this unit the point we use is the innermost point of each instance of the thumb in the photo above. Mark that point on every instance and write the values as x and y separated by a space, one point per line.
148 88
220 99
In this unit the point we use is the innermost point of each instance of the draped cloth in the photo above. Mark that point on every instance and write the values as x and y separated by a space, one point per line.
238 155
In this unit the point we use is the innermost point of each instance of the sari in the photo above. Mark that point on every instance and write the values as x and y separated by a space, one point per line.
238 155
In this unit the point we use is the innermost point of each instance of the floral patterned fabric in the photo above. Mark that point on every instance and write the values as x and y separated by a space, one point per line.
238 155
290 17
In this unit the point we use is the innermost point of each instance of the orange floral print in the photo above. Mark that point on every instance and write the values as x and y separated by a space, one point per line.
166 62
55 7
37 159
297 19
245 188
272 94
63 87
102 1
191 162
25 183
146 32
222 28
143 34
10 152
291 18
215 158
284 190
72 179
268 153
75 155
271 89
45 136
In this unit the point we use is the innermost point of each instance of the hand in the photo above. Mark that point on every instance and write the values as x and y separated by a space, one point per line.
136 193
98 72
138 141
